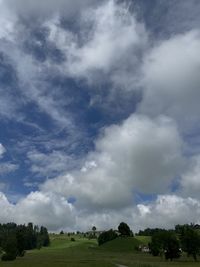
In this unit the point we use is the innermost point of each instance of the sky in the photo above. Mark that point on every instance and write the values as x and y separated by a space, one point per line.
99 113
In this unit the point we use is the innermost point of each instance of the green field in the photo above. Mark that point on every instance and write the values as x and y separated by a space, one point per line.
84 252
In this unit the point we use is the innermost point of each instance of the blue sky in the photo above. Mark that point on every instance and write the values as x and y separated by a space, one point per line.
99 104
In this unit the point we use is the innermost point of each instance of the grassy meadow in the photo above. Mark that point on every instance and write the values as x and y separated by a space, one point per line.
84 252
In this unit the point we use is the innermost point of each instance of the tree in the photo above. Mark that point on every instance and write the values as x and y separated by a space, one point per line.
94 228
124 229
10 248
171 246
190 241
21 241
106 236
94 232
165 242
45 236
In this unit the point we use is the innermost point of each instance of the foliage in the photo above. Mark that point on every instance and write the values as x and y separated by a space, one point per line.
94 228
124 229
190 240
16 239
165 242
106 236
150 231
10 247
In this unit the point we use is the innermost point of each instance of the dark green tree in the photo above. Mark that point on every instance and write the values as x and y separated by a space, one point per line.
171 246
16 239
94 231
124 229
165 242
190 241
45 236
10 248
21 240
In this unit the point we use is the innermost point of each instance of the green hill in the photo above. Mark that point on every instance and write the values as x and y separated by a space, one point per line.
144 239
121 244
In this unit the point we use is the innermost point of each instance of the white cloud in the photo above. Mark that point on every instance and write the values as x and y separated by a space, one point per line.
167 211
40 208
2 150
50 164
46 8
45 209
190 182
140 155
110 40
171 79
55 213
7 167
7 22
6 209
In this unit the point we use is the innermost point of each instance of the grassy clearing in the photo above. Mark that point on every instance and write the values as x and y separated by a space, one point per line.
144 239
86 253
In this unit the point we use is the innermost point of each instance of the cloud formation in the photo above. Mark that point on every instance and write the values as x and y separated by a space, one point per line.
62 63
108 43
125 162
45 209
171 79
2 150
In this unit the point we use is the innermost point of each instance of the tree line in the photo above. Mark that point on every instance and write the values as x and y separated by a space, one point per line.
16 239
171 243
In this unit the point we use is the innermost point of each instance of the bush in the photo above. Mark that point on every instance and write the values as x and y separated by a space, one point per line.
106 236
73 239
8 257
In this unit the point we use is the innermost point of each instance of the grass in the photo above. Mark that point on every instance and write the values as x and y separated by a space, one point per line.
144 239
121 244
85 253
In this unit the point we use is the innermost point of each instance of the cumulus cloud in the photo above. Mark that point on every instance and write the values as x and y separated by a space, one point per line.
140 155
167 211
171 78
56 213
40 208
190 182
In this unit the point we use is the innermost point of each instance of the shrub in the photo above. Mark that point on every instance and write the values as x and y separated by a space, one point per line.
8 257
106 236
